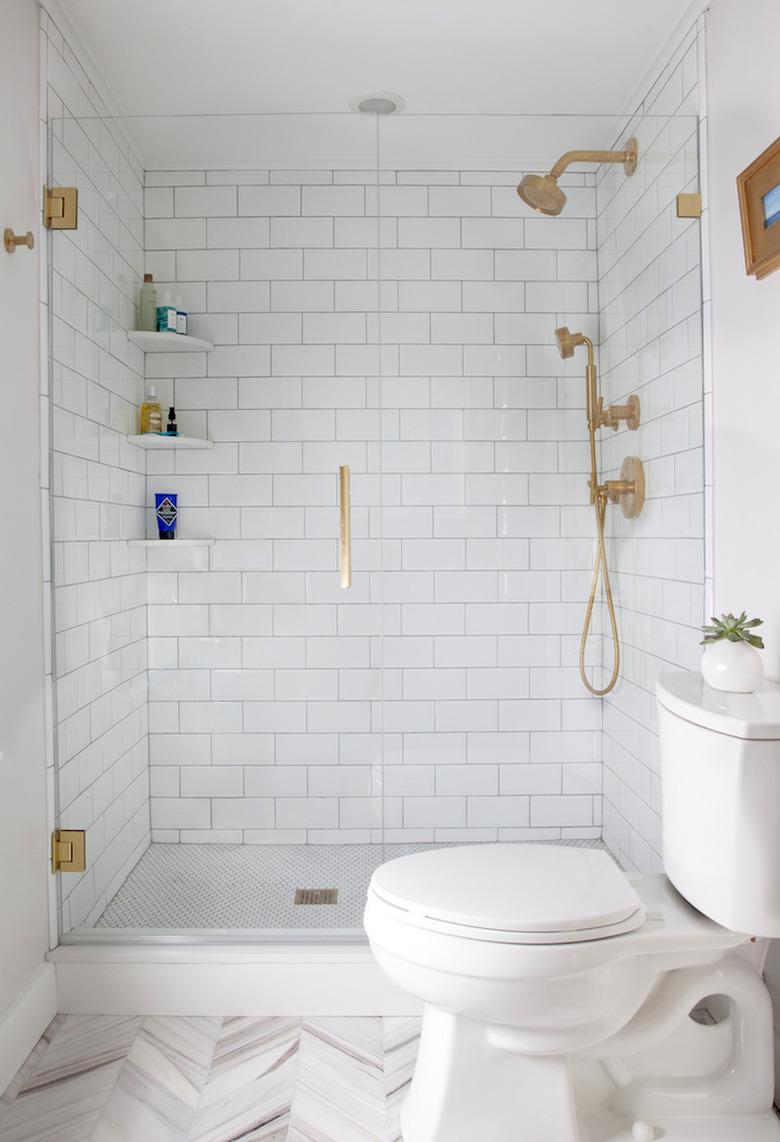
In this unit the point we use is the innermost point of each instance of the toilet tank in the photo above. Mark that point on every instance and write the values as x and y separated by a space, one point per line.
720 767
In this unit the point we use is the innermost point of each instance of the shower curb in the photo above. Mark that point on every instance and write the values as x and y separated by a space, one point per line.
177 979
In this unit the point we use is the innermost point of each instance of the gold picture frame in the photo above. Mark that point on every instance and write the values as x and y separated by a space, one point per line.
758 188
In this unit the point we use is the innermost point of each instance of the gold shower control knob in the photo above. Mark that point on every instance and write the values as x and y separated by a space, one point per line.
630 412
629 490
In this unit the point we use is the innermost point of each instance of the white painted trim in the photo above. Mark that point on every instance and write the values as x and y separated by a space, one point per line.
23 1023
213 980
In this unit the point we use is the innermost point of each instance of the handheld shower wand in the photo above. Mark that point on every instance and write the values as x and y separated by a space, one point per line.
629 491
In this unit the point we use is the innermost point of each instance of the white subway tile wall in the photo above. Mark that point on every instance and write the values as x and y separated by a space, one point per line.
650 287
272 691
97 485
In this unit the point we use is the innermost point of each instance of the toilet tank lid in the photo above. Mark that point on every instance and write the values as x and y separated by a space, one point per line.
756 716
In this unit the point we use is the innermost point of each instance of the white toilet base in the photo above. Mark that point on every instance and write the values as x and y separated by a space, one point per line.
609 1129
465 1088
468 1086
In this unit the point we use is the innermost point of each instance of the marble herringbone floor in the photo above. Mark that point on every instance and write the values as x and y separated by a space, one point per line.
165 1079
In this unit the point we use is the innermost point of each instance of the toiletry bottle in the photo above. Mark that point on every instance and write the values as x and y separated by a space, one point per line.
151 413
166 314
172 429
181 316
147 308
166 512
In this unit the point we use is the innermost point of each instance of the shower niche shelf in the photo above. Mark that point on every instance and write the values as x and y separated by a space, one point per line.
168 342
153 441
170 543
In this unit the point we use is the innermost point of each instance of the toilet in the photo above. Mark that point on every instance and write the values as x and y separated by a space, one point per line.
565 1001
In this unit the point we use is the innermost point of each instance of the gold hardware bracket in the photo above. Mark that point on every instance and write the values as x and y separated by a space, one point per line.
11 240
68 850
345 536
689 205
60 207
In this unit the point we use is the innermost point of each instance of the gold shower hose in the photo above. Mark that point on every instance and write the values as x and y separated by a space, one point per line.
600 570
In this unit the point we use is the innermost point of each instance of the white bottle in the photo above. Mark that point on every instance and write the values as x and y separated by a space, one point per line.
181 316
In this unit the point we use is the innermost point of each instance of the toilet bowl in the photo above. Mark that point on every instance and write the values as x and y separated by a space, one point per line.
558 991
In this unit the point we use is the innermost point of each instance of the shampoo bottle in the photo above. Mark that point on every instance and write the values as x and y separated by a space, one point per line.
166 314
151 413
147 308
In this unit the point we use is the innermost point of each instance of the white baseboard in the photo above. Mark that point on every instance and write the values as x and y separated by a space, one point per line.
245 980
22 1025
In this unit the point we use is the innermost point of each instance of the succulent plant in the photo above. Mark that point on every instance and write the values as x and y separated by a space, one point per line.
734 630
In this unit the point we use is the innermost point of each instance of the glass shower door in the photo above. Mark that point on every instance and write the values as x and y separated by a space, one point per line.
219 697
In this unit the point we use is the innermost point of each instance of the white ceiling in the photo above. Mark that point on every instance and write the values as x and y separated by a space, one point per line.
515 143
189 57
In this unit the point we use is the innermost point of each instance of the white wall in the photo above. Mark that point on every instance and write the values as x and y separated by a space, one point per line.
743 93
744 118
22 709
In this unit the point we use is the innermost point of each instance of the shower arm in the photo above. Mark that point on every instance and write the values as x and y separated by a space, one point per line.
591 157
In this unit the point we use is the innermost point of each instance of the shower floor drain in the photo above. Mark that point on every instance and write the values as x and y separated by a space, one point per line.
316 895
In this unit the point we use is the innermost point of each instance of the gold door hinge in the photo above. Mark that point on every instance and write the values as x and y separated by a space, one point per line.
60 207
68 850
689 205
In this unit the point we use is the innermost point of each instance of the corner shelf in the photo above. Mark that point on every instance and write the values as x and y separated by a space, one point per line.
171 543
168 342
154 440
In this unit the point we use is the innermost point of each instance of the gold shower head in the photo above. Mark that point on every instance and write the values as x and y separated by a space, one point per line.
567 341
541 191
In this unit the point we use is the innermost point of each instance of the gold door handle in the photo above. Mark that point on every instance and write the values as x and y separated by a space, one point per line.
345 537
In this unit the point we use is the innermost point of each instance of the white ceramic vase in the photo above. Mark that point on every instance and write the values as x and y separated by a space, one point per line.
732 666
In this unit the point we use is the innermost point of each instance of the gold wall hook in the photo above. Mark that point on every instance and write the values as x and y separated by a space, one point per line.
11 240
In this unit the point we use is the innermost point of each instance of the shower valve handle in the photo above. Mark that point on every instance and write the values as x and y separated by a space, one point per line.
629 412
616 489
629 490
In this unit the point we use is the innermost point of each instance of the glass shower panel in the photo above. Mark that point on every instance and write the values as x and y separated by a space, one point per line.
491 735
218 697
98 502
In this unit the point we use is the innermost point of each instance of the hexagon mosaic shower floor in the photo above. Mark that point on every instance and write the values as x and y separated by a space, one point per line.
229 887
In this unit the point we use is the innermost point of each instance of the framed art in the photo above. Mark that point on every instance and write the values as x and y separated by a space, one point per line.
759 204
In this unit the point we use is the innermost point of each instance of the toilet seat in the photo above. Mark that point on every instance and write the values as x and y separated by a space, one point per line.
519 894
